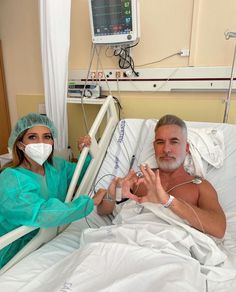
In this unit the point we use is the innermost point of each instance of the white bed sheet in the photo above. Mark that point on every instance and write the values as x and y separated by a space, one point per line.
128 259
117 161
41 260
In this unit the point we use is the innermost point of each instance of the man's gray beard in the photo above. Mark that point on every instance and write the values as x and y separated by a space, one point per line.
169 165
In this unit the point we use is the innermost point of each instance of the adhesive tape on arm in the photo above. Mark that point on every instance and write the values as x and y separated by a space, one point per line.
118 194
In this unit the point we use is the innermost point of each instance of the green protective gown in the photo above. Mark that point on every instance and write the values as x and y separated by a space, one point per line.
27 198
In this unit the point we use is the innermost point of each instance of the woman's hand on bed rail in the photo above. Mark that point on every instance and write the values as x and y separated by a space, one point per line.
84 141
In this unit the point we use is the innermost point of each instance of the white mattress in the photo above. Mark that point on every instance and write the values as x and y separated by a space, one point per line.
117 162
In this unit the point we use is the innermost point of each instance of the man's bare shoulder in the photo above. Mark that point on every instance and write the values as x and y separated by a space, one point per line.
205 185
207 194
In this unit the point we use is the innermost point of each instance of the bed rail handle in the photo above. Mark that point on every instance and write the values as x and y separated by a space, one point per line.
14 234
112 119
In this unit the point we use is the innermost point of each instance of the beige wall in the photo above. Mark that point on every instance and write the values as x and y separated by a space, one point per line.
19 31
166 27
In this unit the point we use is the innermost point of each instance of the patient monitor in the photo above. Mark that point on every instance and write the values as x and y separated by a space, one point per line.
114 21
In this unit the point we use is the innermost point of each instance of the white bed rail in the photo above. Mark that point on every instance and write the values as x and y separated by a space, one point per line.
97 151
43 236
97 148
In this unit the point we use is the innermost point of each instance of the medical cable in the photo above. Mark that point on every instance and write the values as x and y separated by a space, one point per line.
92 191
188 205
131 161
196 215
84 88
119 106
196 181
118 90
107 83
115 47
167 80
99 62
134 156
109 48
125 59
97 66
154 62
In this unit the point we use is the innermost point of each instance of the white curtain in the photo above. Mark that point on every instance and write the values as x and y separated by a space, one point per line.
55 42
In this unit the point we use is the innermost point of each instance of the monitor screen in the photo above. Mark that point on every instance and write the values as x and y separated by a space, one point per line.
113 21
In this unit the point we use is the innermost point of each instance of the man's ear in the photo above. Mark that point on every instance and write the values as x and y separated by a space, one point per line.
187 148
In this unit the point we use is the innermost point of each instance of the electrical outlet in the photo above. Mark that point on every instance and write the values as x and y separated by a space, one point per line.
100 75
118 74
184 53
93 75
127 73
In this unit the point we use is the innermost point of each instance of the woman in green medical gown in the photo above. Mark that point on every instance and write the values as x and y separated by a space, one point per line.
34 187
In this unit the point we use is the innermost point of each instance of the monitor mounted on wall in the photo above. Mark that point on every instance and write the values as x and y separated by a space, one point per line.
114 21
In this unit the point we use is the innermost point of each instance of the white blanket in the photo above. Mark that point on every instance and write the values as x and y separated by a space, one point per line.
152 250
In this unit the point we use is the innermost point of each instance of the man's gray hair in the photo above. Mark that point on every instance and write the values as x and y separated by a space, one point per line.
171 120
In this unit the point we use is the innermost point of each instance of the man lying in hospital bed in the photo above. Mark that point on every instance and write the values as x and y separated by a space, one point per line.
148 248
191 198
154 227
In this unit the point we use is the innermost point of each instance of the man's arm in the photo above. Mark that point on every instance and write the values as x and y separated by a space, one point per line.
207 216
105 199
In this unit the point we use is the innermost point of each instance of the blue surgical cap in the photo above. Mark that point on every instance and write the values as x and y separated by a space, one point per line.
29 121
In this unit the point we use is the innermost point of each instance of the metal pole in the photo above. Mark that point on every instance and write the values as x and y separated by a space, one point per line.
228 35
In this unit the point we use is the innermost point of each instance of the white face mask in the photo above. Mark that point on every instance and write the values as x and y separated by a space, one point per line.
39 152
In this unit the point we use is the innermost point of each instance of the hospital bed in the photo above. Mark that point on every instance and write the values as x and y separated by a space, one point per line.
71 260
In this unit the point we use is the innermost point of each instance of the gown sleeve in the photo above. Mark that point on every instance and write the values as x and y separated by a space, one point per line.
22 204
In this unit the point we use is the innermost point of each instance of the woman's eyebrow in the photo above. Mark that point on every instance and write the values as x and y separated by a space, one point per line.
31 133
37 134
